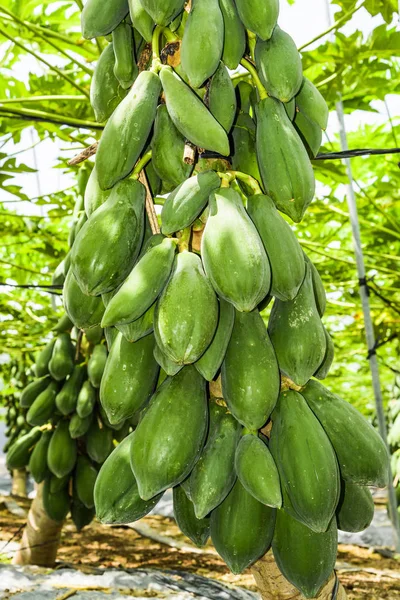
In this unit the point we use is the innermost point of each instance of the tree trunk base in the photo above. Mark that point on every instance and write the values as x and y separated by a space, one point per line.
18 487
273 586
41 536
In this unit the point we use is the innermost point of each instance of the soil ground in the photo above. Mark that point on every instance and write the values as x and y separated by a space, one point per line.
365 573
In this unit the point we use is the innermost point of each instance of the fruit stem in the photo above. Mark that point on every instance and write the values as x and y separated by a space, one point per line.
252 39
170 36
254 75
248 179
155 44
184 238
141 163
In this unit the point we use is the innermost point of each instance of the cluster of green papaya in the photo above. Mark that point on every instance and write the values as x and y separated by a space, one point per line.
394 438
68 435
228 414
15 420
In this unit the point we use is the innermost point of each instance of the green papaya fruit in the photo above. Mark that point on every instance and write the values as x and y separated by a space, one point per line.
129 378
233 254
305 558
306 462
117 499
78 426
125 67
32 391
58 275
250 374
107 246
163 11
318 287
84 480
59 483
203 41
116 426
67 263
244 156
284 164
222 97
38 459
64 324
105 90
96 364
310 133
355 510
241 529
80 515
311 102
43 359
297 334
169 366
94 334
213 475
197 530
245 92
44 406
168 147
135 331
94 195
324 367
127 130
210 362
86 400
84 311
56 505
279 65
184 338
169 438
142 286
284 251
62 452
290 108
99 441
98 19
67 397
257 472
360 450
190 116
19 453
110 334
141 20
234 35
259 16
61 363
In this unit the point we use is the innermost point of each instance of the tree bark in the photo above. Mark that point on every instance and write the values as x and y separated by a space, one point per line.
273 586
18 487
41 536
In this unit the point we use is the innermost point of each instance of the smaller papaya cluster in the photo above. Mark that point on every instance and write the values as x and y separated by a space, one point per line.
15 414
68 435
394 439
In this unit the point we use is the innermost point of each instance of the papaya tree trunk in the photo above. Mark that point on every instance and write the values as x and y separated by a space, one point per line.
41 536
273 586
18 487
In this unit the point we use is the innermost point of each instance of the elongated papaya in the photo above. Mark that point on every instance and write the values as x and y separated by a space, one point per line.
197 530
107 246
190 115
311 102
61 363
84 311
78 426
169 438
117 499
96 364
127 130
125 68
141 20
257 472
62 452
38 460
259 17
325 366
214 474
284 251
310 133
305 558
355 510
84 480
222 97
67 397
202 42
290 108
361 452
168 146
56 504
163 11
105 90
250 374
64 324
94 195
32 391
98 19
19 453
142 286
44 406
233 254
94 335
187 201
80 515
86 400
306 462
284 164
279 65
129 378
241 529
169 366
43 359
99 441
318 287
184 338
297 334
244 157
234 35
210 362
135 331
